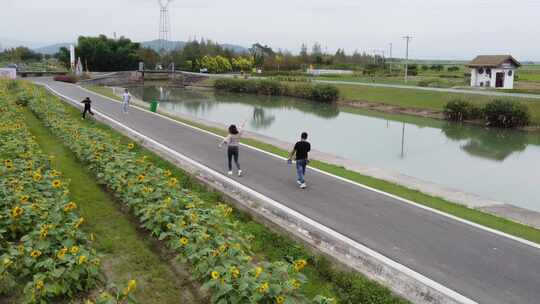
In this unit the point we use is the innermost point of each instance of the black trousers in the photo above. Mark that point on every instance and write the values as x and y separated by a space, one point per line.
87 109
232 153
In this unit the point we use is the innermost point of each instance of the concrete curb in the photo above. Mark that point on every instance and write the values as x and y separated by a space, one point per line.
402 280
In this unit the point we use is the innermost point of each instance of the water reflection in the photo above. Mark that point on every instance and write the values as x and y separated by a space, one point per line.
261 120
494 144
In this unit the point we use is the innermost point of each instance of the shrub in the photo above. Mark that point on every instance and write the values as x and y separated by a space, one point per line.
317 92
506 114
453 69
459 110
66 78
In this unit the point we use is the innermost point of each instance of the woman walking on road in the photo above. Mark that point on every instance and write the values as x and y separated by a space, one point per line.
126 99
233 142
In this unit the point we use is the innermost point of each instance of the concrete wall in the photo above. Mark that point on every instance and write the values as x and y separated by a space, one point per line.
491 80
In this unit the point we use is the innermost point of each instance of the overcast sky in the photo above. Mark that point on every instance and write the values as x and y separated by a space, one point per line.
442 29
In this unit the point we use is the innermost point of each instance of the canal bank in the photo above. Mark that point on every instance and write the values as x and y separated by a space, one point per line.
476 202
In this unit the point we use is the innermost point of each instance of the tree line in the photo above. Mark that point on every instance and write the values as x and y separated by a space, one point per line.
102 53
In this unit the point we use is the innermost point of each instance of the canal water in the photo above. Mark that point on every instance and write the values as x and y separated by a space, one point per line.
503 165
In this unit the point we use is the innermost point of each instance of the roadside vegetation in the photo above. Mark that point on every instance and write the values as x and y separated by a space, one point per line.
47 251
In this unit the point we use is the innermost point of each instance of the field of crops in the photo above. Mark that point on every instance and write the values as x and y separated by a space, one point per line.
44 254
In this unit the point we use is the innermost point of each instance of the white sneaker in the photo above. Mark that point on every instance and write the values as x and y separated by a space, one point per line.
298 182
303 186
239 172
230 172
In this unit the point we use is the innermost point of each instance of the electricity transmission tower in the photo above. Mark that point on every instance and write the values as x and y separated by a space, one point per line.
408 39
164 24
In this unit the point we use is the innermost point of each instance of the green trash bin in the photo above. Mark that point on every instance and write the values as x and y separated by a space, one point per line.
153 106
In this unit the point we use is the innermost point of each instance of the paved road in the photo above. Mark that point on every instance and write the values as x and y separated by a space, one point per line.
445 90
478 264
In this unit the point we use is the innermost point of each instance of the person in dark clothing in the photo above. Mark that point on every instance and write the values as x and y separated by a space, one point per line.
301 150
87 107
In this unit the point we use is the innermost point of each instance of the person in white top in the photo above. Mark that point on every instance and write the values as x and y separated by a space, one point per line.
126 99
233 142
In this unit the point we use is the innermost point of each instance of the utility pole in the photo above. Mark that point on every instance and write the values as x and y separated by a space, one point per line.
407 39
390 58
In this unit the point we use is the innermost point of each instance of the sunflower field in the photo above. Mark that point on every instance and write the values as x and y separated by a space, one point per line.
41 244
204 235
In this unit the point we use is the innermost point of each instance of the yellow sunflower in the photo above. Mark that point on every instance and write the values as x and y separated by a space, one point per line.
56 183
82 259
263 288
36 176
299 265
24 198
70 206
258 271
280 300
35 254
62 253
172 182
16 212
40 285
184 241
131 146
215 275
74 250
140 178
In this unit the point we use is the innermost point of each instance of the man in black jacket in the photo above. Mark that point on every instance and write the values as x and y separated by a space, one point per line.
87 107
301 150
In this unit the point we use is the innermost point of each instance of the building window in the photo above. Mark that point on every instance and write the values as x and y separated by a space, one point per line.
488 83
481 84
481 71
510 73
488 71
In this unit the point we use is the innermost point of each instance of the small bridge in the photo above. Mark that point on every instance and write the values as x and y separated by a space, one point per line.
25 74
176 78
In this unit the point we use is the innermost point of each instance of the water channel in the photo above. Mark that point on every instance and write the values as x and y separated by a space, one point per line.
503 165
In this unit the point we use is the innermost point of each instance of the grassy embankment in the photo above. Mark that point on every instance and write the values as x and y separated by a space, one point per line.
455 209
430 100
323 279
126 253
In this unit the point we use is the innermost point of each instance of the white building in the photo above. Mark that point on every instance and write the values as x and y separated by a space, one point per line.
495 71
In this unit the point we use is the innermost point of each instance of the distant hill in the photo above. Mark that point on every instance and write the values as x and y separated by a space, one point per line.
153 44
52 49
173 45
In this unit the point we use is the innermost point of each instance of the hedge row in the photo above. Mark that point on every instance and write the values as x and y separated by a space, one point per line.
41 243
204 235
497 113
317 92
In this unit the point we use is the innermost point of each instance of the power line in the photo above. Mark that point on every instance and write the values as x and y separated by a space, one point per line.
407 39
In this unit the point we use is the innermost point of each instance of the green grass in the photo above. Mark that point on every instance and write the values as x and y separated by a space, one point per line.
418 99
127 254
437 203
